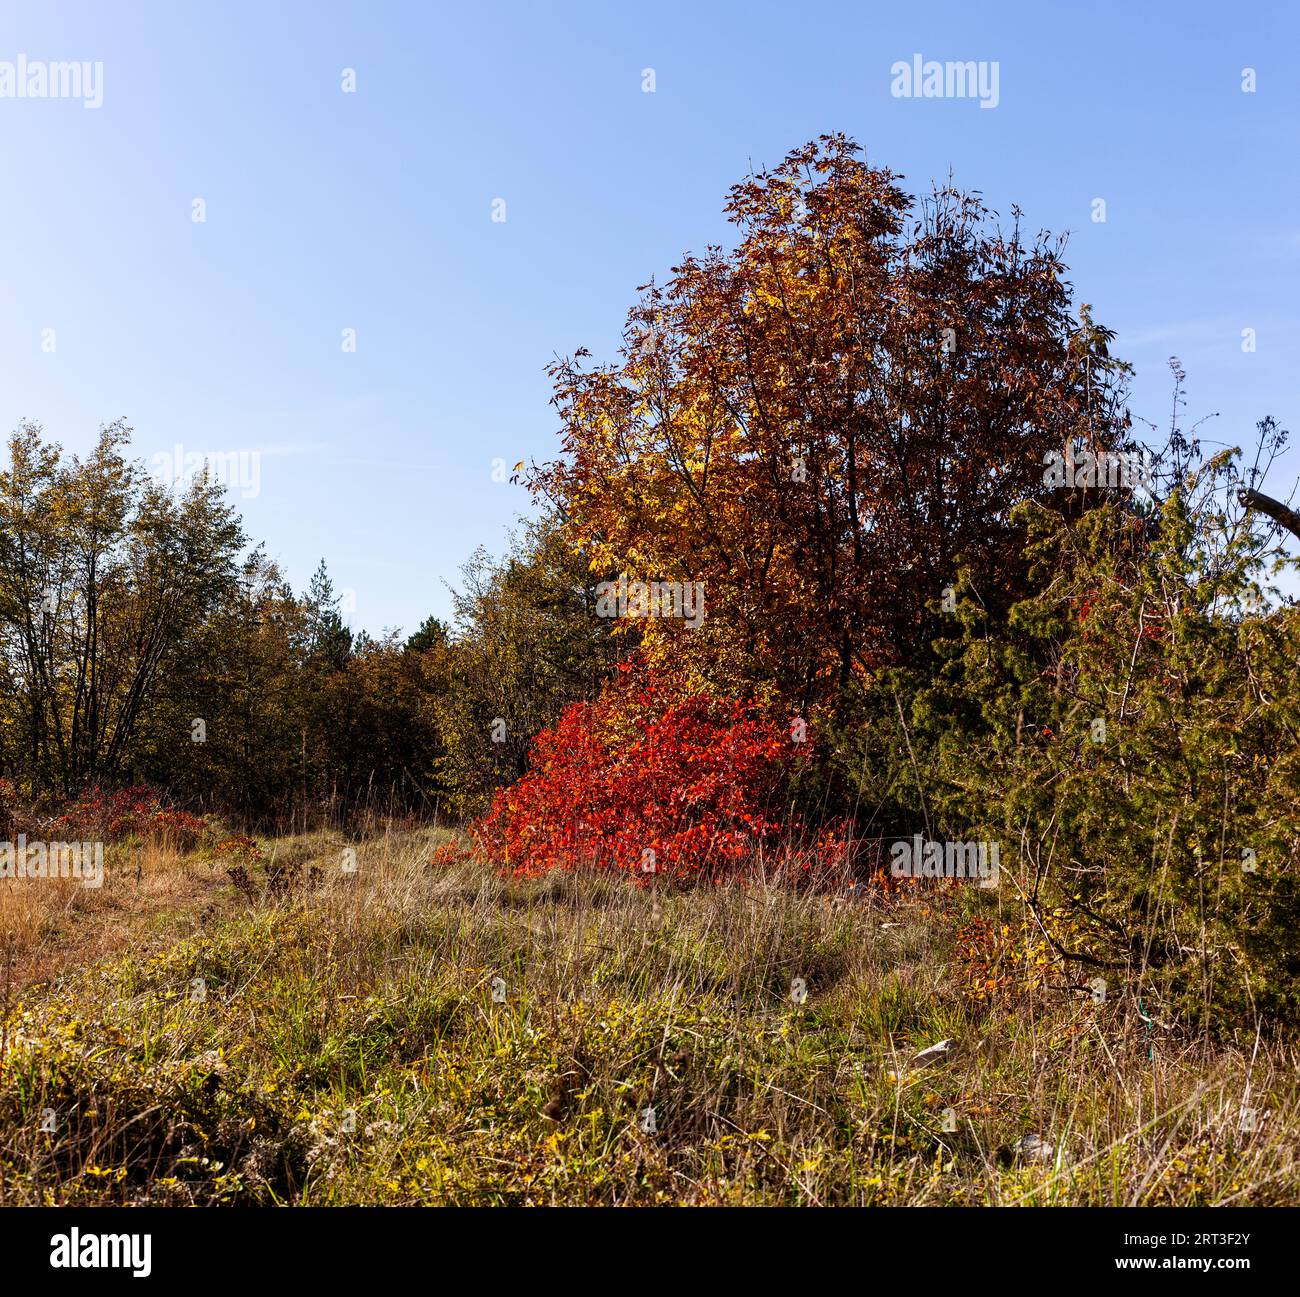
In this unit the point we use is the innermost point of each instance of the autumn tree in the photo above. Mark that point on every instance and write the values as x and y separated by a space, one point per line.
824 421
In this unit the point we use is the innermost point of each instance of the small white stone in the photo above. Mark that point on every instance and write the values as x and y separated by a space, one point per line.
935 1054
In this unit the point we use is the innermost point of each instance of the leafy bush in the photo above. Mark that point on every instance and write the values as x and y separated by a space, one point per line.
526 643
1128 733
8 808
137 812
646 781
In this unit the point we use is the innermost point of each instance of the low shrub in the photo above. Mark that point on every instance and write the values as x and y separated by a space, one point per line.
136 812
647 781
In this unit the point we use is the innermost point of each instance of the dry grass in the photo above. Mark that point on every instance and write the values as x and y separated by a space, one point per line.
348 1047
50 924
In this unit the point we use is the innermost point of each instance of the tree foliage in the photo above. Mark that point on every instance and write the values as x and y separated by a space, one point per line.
820 423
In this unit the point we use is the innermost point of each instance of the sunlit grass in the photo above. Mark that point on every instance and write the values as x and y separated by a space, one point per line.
439 1034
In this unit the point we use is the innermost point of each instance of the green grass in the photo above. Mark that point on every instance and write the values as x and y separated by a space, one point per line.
348 1049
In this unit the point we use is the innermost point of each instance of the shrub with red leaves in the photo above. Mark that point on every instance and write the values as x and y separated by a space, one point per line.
449 853
240 850
8 808
131 812
645 781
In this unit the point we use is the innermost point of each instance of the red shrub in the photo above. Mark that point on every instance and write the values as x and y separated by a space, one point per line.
647 782
130 812
449 853
8 808
240 850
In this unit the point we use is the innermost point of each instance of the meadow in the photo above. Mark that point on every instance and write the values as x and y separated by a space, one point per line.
426 1029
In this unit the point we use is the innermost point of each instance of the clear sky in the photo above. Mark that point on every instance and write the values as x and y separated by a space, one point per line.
372 211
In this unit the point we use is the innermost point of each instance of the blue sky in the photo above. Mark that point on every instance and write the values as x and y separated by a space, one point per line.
372 211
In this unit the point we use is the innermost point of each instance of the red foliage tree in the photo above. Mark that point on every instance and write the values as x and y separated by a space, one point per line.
824 423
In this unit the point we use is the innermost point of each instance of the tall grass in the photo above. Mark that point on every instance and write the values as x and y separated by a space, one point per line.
412 1033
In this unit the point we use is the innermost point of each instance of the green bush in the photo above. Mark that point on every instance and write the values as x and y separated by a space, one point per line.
1128 733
